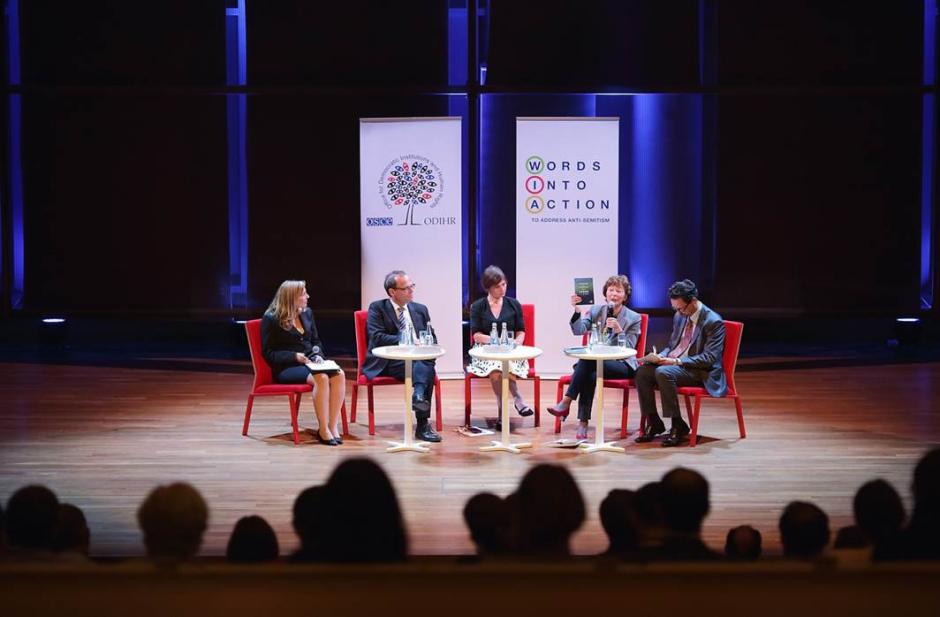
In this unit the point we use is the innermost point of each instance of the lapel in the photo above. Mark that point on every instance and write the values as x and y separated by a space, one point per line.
391 315
306 320
414 318
696 334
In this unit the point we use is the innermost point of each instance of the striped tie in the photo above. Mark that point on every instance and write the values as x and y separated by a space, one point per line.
402 323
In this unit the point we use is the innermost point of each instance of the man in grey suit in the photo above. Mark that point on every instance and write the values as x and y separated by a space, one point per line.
385 321
691 359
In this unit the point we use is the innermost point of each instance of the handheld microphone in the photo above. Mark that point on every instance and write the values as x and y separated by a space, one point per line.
610 313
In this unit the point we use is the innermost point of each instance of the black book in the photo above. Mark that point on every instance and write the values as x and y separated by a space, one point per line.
584 287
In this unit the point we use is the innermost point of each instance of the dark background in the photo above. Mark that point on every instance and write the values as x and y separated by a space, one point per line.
811 151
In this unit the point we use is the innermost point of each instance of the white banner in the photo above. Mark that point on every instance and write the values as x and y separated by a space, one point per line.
567 182
410 191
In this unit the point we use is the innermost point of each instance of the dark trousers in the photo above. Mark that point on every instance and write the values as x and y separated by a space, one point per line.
422 378
667 379
584 382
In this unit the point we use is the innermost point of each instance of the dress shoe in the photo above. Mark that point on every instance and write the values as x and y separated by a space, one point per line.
424 432
326 442
338 440
678 435
525 411
420 403
558 412
582 432
653 428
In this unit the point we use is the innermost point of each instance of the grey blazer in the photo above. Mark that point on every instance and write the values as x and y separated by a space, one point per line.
705 351
629 321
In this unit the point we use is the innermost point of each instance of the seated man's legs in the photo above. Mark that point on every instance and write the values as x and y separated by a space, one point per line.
668 379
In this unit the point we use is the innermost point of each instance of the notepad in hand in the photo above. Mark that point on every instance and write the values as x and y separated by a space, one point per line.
326 365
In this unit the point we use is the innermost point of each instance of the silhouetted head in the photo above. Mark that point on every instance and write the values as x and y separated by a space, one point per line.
743 543
307 512
879 511
619 519
363 514
926 488
71 534
804 530
685 502
32 514
487 518
173 518
252 541
549 508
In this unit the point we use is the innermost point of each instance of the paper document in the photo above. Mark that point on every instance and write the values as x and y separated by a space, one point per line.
326 365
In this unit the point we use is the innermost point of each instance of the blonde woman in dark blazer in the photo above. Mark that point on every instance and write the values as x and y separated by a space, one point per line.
289 341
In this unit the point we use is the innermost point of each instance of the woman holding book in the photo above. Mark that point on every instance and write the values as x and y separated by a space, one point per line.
611 319
292 347
497 308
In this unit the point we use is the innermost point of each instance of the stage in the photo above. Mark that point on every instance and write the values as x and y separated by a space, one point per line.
102 437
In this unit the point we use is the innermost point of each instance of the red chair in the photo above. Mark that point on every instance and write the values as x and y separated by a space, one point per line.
362 343
622 384
729 362
264 383
528 318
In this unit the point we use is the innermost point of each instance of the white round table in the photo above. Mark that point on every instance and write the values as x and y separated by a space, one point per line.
600 353
505 355
408 354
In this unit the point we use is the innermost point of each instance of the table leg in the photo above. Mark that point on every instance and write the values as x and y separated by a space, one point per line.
599 444
504 445
409 444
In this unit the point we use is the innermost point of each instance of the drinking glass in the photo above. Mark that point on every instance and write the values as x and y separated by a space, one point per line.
622 340
511 339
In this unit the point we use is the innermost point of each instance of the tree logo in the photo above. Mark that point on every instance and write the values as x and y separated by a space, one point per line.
411 181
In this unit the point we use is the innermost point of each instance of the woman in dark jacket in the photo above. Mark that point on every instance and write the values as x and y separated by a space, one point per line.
292 348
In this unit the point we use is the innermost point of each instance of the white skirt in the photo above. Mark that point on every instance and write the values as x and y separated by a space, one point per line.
482 368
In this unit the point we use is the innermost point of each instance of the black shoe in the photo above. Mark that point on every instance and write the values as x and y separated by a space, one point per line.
498 427
338 440
326 442
420 404
525 412
677 436
424 432
653 428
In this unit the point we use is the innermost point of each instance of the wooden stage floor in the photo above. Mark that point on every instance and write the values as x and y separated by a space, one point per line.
102 437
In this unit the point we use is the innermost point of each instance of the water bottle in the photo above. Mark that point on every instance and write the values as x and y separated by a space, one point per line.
494 335
593 339
504 337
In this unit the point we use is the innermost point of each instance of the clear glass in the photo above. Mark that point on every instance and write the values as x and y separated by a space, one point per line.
511 339
622 340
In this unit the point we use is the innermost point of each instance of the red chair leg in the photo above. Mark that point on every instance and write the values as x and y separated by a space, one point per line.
693 438
558 395
538 400
738 408
355 394
342 414
466 399
437 405
688 409
624 412
371 410
294 408
251 400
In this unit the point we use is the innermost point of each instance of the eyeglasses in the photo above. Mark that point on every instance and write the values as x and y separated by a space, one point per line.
412 286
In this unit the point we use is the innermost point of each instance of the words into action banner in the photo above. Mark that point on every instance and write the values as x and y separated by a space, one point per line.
410 188
567 183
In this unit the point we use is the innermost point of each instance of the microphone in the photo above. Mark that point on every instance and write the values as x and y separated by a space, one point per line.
610 313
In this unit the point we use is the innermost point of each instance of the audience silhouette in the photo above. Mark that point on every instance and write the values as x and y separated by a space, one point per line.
31 517
548 509
804 531
173 519
356 518
743 543
487 518
360 517
72 537
252 541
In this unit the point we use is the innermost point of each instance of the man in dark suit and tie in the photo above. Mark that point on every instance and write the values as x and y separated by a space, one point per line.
387 318
691 359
